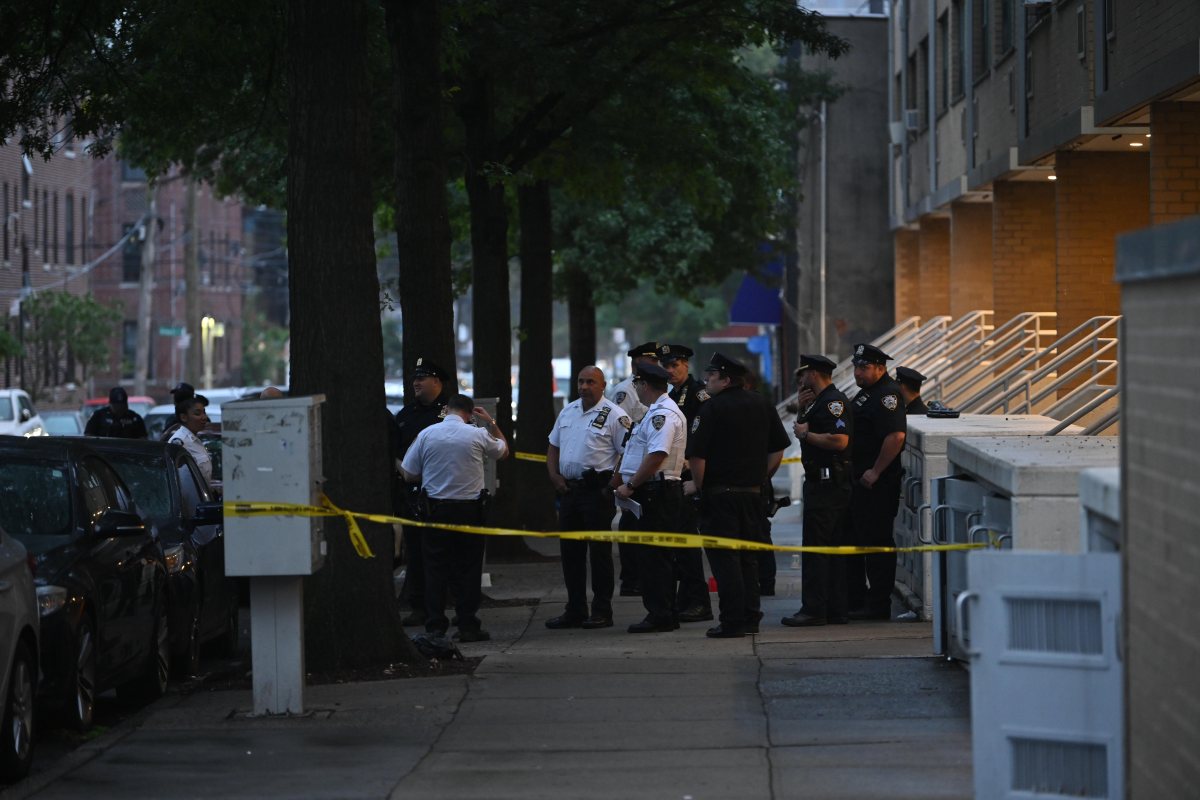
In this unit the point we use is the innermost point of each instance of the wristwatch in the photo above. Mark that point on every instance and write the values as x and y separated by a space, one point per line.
630 485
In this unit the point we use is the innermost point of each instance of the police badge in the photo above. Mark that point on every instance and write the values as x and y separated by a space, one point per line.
702 395
890 402
626 423
442 413
836 407
619 398
658 420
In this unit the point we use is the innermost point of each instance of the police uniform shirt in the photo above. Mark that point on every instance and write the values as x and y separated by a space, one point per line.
414 418
878 411
105 423
688 396
624 396
589 439
830 413
917 406
734 432
195 449
449 458
662 430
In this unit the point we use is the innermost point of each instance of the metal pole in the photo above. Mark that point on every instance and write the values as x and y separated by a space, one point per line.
824 221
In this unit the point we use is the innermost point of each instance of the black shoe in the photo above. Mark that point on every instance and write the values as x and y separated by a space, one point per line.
800 620
646 626
596 621
631 591
752 627
414 619
696 613
724 631
870 614
564 621
479 635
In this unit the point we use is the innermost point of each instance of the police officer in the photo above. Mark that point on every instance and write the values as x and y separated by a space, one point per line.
650 474
426 407
626 397
115 419
585 446
447 460
824 430
910 389
737 443
879 431
691 598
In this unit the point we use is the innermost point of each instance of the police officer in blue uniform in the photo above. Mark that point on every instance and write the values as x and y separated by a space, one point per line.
910 382
879 432
824 430
737 443
426 407
691 597
115 419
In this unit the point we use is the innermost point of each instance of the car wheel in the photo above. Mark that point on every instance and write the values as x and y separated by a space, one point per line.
152 683
16 737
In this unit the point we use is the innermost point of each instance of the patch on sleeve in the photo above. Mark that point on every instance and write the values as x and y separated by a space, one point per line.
836 407
702 395
658 420
626 423
841 423
890 402
695 424
442 413
619 398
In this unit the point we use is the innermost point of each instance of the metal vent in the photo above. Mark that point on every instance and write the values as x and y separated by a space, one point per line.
1043 625
1061 769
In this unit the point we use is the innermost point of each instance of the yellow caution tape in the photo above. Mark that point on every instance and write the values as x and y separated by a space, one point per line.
246 508
541 457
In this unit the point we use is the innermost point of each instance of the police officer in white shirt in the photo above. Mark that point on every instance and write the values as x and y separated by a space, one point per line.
192 419
585 447
650 474
447 460
625 396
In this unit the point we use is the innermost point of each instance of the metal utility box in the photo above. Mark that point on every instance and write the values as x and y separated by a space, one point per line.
1020 491
924 458
272 453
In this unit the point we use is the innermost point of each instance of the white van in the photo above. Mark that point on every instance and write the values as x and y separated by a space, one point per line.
18 417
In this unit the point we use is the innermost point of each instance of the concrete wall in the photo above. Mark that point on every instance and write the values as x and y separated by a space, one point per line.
1161 501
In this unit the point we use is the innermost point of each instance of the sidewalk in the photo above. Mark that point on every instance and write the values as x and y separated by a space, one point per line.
856 711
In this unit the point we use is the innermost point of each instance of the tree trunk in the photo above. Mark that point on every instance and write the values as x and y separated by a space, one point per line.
422 218
141 369
351 617
581 321
535 410
191 286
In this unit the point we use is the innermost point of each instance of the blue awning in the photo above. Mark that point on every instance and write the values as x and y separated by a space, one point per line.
757 303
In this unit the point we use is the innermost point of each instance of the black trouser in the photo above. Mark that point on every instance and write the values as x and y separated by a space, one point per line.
766 559
872 515
586 509
661 504
630 579
736 515
823 577
456 560
413 592
689 564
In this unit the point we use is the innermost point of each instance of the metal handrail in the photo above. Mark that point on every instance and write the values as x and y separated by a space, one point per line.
1010 341
1026 383
1084 410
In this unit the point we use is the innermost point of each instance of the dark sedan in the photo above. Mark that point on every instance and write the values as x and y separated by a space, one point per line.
100 576
173 497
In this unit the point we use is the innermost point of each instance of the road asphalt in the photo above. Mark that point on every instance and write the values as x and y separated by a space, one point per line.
847 711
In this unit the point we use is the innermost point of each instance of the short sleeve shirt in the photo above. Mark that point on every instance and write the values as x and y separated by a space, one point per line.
449 458
878 411
625 397
734 433
195 449
662 430
589 439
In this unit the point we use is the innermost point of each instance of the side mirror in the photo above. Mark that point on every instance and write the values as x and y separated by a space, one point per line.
209 514
26 415
114 522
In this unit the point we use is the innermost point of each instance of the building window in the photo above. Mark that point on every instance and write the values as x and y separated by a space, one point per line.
923 82
943 62
1080 32
1007 25
8 220
131 256
1110 29
959 20
45 226
25 188
132 174
69 227
910 88
128 348
55 233
982 56
1029 73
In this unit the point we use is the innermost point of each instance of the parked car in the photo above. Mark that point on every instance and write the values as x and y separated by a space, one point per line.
100 576
17 414
172 496
63 423
138 403
18 658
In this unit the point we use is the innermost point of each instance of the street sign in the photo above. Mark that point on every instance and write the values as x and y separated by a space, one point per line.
170 330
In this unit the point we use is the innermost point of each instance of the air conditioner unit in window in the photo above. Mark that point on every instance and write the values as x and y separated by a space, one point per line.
912 119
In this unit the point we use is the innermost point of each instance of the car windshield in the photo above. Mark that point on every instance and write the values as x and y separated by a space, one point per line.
62 424
6 409
148 480
37 498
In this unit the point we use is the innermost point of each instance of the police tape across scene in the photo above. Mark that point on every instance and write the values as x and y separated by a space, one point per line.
245 508
541 458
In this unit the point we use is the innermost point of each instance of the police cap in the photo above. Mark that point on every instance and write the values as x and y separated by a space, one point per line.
425 368
653 374
671 352
118 396
909 377
647 350
870 354
726 366
816 363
